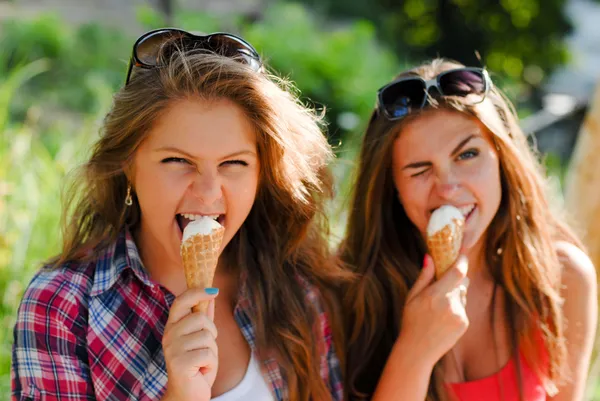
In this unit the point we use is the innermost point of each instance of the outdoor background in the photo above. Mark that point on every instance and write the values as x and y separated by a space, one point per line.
61 60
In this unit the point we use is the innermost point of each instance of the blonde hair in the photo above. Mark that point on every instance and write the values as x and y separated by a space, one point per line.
285 234
386 249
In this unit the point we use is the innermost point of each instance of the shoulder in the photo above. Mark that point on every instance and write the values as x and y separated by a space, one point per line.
59 294
578 272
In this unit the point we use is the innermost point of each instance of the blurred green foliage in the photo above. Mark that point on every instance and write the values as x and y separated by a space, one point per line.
522 39
79 58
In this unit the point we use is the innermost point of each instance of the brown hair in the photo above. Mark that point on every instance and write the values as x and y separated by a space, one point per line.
284 239
386 250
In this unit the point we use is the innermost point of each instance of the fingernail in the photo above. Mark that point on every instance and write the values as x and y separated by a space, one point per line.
425 261
211 291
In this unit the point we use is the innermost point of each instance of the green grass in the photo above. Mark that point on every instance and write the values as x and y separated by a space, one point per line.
35 157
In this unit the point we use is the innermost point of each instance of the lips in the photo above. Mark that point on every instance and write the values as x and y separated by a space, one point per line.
183 219
467 210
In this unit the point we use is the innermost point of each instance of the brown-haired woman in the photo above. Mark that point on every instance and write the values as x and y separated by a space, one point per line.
442 134
200 129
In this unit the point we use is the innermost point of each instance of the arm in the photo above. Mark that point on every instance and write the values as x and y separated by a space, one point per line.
433 320
48 359
405 376
581 312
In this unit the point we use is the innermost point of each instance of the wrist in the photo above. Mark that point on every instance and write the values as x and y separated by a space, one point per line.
414 352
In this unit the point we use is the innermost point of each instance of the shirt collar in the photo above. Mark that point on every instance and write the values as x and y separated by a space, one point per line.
122 255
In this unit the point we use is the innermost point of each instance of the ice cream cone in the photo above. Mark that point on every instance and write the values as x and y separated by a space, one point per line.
200 254
444 237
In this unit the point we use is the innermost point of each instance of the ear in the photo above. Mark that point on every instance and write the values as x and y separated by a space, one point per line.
128 170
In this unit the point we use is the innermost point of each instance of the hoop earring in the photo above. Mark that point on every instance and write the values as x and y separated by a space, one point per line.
128 198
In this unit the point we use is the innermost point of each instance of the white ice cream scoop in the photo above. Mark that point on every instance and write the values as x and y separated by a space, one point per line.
442 217
203 226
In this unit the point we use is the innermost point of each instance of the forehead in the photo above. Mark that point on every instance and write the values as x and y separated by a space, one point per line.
197 124
437 129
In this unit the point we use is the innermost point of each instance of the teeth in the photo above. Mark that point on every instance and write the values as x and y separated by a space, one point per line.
198 216
465 210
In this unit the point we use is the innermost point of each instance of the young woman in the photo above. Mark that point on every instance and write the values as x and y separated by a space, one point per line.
199 129
442 134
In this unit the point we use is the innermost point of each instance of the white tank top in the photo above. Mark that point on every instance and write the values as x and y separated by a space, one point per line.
252 387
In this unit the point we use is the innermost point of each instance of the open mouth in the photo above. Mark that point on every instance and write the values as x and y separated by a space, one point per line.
467 211
185 218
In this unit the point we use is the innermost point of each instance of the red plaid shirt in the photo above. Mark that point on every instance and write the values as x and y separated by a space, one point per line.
93 331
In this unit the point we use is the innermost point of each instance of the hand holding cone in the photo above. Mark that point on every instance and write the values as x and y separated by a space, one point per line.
200 249
444 237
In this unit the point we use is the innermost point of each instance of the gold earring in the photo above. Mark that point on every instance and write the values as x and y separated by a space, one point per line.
128 198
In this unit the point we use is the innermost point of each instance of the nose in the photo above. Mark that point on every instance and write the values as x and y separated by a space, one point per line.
207 187
447 185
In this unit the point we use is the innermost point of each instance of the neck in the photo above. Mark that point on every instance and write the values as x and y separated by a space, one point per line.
478 268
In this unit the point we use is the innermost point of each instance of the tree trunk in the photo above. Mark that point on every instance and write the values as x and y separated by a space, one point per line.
166 8
582 197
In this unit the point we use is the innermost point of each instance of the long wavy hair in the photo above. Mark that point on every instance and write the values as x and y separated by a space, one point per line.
283 241
386 250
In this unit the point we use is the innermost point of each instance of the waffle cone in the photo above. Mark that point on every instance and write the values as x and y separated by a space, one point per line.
200 255
444 246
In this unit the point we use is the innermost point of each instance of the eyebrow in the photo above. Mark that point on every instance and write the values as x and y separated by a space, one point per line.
457 149
189 155
462 144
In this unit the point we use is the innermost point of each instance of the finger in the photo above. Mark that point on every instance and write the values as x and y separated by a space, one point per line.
183 304
458 299
453 276
202 360
425 278
200 340
211 310
465 281
192 323
207 361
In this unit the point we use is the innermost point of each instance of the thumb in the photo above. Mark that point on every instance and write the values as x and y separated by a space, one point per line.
425 277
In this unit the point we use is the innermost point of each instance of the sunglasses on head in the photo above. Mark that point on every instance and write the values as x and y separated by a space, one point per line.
159 44
399 98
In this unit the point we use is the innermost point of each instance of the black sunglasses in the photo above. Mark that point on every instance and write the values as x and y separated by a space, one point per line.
160 43
398 98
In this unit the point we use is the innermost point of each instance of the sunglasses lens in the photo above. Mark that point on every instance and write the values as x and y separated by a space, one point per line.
464 83
149 49
401 98
232 47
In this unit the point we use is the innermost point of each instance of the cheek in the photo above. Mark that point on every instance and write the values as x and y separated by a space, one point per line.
484 181
240 195
412 194
159 193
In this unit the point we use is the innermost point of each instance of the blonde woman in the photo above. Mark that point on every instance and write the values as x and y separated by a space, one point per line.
442 134
199 129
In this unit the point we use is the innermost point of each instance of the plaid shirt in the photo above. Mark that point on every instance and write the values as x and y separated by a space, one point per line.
93 331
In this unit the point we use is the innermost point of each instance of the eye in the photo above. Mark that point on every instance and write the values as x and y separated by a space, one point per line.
234 162
420 173
177 160
468 154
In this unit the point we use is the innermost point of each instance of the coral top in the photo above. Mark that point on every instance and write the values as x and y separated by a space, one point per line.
504 384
